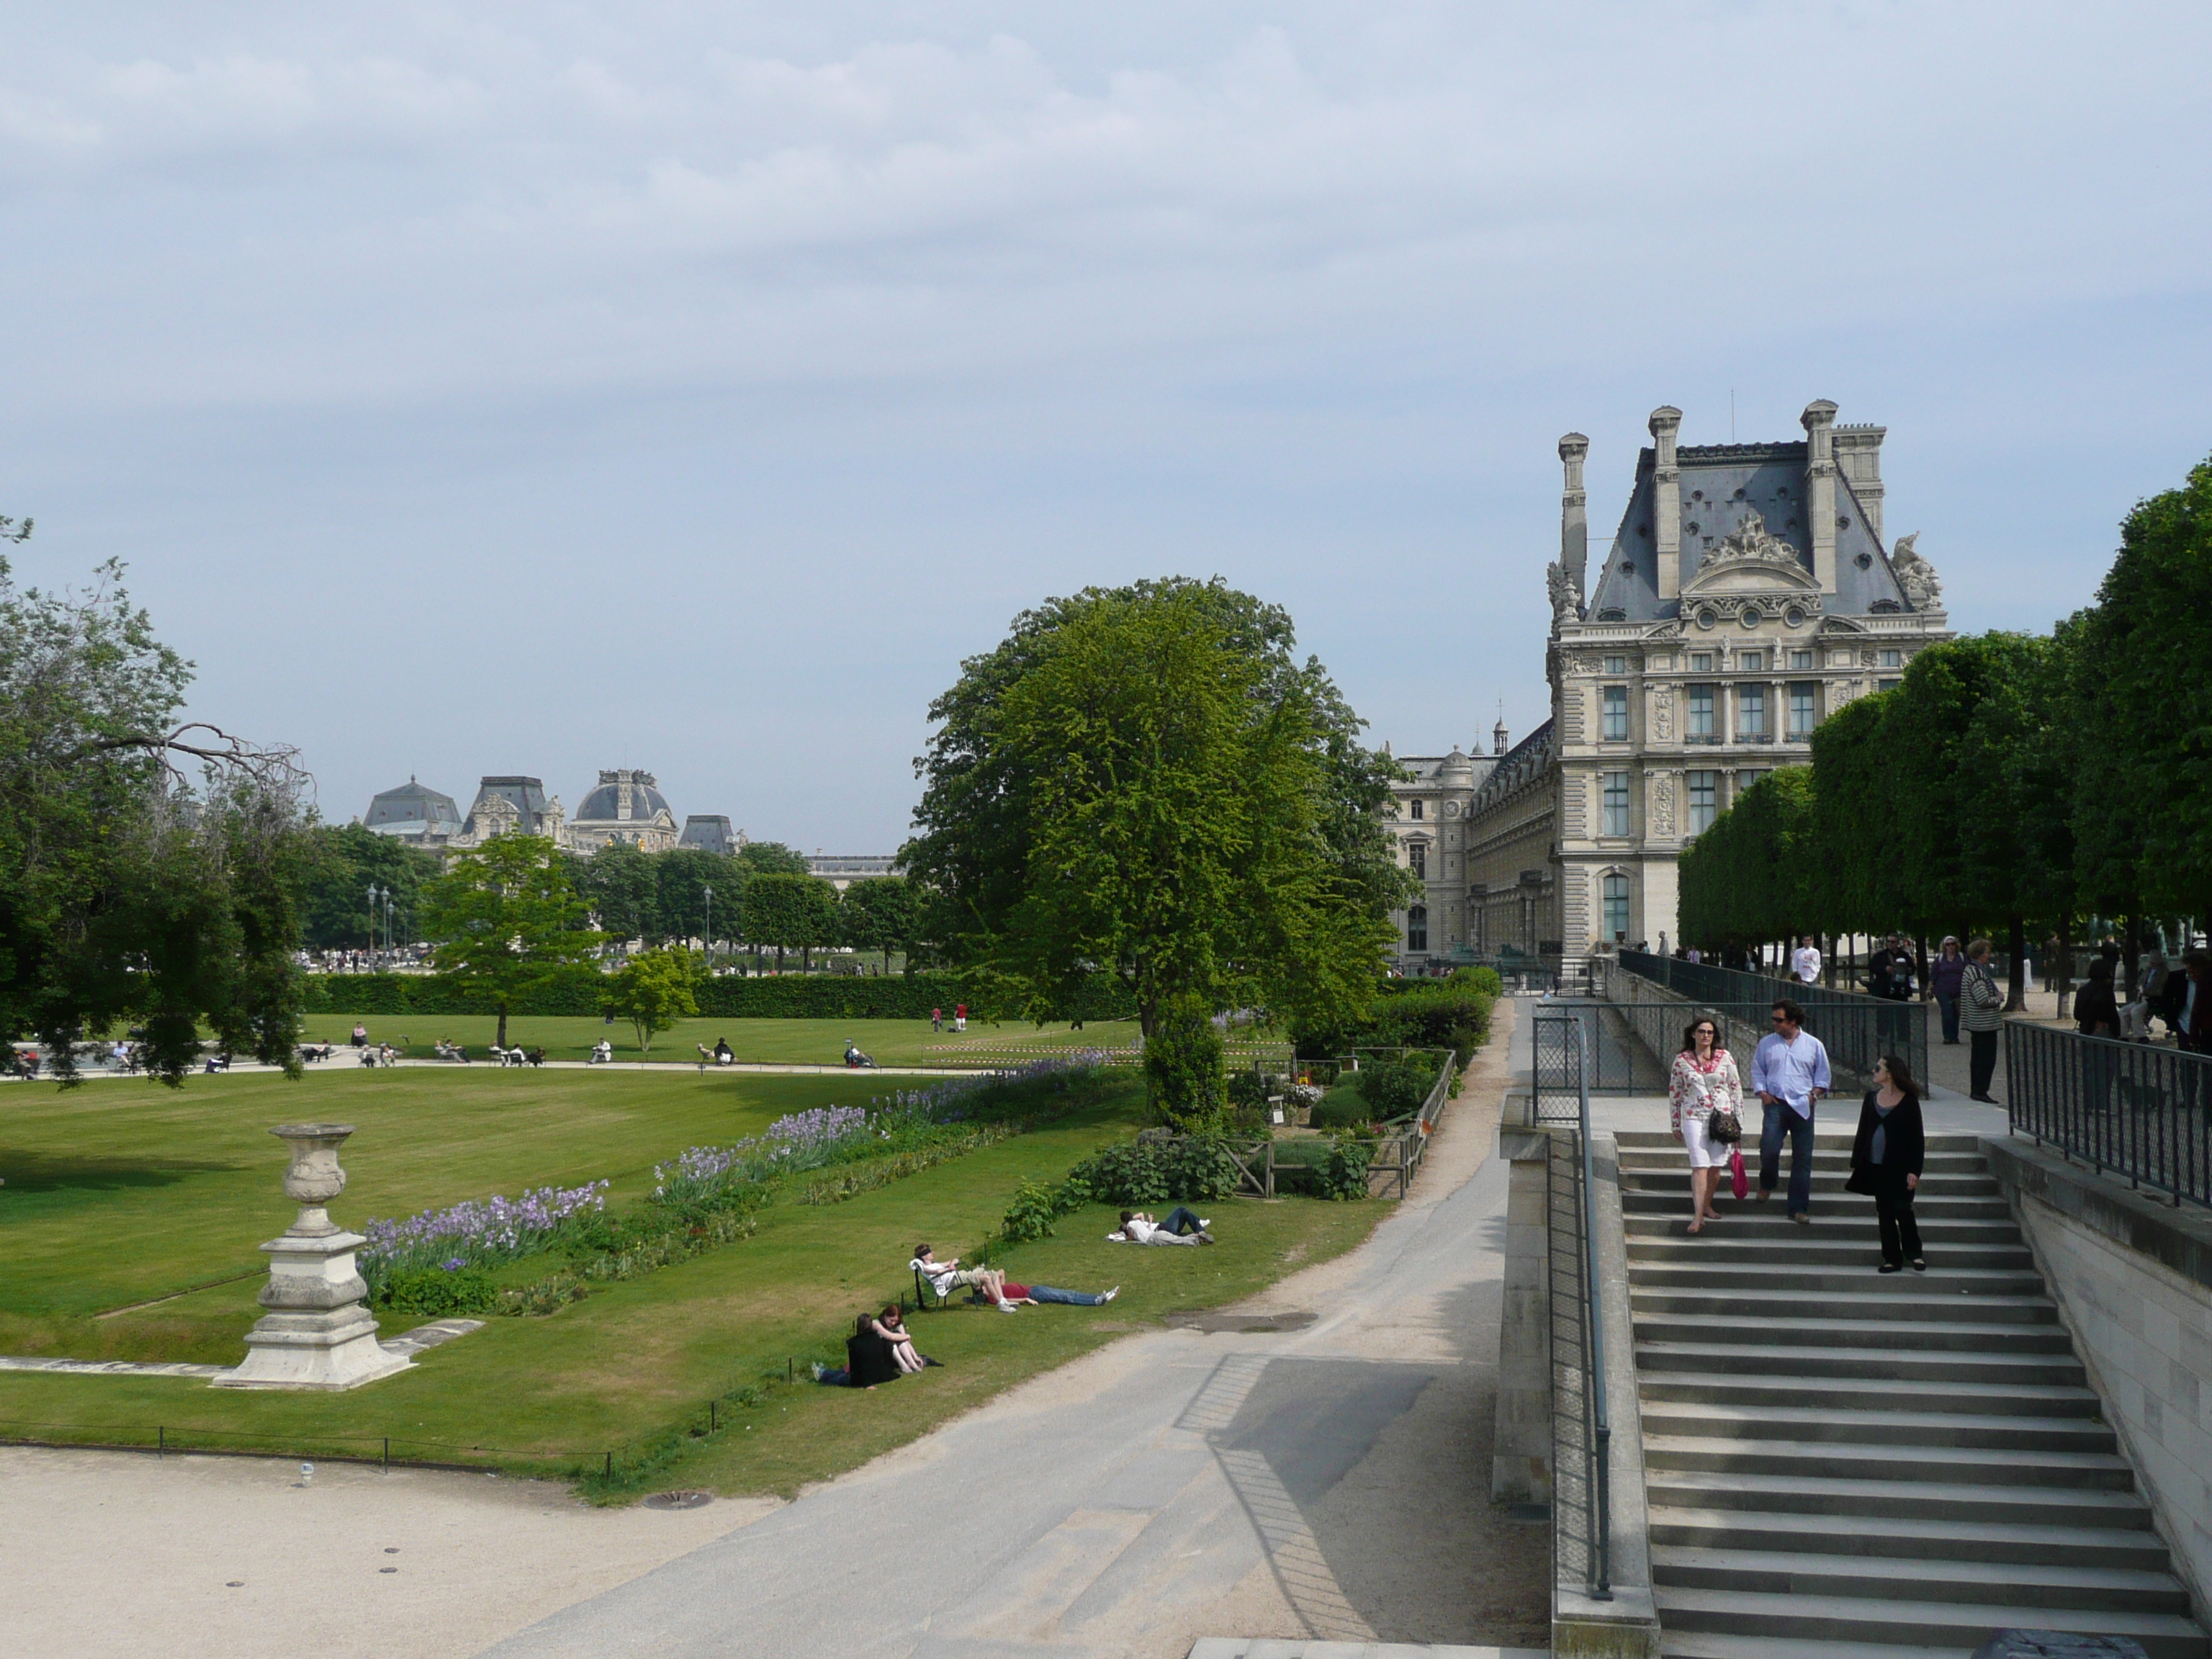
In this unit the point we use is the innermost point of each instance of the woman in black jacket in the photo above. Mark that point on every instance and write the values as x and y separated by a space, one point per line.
1885 1161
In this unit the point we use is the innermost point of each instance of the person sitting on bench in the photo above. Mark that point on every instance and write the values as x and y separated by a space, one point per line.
723 1053
1035 1294
947 1276
1182 1227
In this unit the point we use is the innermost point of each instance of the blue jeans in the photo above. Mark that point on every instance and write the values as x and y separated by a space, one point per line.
1181 1222
1782 1119
1072 1298
1949 1004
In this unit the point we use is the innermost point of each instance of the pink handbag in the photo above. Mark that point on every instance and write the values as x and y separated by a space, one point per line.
1739 1183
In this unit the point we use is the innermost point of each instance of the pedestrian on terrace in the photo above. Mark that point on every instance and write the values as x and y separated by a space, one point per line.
1887 1157
1790 1072
1701 1085
1945 976
1982 1001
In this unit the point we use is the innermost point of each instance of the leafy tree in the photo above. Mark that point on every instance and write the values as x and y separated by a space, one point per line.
505 921
338 866
619 883
653 990
1750 875
792 913
880 914
2146 676
1145 779
128 896
772 858
681 877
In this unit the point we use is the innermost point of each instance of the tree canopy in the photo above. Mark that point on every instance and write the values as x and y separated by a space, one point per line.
652 990
505 921
133 895
1144 780
338 864
882 913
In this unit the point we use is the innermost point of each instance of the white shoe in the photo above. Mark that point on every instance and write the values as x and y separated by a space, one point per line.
1008 1307
1204 1224
1110 1295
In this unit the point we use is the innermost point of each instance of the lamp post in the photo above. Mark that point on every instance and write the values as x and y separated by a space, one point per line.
371 924
388 921
707 938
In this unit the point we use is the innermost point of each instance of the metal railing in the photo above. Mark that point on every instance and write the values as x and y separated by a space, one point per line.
1571 1042
2131 1108
1856 1031
1600 1059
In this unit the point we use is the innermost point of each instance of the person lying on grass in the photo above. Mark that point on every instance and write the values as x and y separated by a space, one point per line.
1035 1294
1182 1227
947 1276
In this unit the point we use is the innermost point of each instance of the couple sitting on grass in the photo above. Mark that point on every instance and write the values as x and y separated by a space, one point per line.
880 1350
992 1286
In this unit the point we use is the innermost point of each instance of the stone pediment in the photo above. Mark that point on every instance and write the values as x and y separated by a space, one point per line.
1750 559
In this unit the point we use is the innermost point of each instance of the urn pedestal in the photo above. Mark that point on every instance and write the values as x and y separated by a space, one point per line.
316 1334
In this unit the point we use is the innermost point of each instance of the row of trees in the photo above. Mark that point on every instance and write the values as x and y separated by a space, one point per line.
2010 782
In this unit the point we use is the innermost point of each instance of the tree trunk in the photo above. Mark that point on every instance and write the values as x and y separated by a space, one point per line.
779 962
805 958
502 1025
2062 971
2017 995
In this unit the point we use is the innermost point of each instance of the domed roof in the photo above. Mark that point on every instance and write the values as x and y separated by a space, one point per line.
603 803
412 805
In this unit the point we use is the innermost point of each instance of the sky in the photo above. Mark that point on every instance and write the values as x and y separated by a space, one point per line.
541 388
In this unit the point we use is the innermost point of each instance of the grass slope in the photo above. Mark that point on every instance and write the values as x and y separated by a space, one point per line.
125 1194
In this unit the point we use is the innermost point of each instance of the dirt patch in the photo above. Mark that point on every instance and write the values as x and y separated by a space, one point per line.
1240 1323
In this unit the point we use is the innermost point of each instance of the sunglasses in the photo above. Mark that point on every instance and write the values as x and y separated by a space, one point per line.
1780 1019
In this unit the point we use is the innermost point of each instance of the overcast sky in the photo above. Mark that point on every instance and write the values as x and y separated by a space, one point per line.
530 388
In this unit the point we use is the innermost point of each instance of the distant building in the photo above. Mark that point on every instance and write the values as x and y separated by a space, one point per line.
413 811
627 808
1433 802
513 804
710 832
841 869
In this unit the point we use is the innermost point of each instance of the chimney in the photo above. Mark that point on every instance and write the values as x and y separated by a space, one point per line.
1497 738
1858 457
1819 420
1666 502
1574 516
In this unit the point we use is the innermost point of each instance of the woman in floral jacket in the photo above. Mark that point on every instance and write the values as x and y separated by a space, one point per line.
1704 1081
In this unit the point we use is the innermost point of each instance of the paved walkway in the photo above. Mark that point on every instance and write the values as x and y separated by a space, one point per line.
1326 1485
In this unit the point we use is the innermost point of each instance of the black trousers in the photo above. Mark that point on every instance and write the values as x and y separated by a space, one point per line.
1900 1233
1984 1061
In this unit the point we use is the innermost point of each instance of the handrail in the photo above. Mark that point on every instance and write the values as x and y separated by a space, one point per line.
2132 1109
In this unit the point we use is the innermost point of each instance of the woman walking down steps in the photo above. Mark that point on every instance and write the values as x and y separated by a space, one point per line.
1702 1086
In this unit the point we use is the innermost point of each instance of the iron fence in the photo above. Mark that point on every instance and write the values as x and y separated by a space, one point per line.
2132 1109
1856 1031
1581 1457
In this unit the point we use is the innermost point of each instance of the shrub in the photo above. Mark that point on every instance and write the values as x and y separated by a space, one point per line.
785 996
1428 1014
439 1292
1484 979
1395 1088
1342 1107
1186 1171
1184 1078
1344 1175
1031 1216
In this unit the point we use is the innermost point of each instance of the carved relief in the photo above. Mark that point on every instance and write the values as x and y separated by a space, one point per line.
1566 605
1663 715
1663 804
1923 586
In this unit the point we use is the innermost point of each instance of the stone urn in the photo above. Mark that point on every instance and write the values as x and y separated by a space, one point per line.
316 1334
314 1178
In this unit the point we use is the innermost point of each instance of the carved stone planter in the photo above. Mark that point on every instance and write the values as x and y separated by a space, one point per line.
316 1333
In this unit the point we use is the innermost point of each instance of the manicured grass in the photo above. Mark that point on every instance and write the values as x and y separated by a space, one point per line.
117 1193
782 1042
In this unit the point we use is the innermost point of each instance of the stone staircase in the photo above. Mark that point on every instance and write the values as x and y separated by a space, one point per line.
1846 1465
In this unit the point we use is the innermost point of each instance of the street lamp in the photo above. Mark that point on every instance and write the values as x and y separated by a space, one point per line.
707 938
388 921
372 923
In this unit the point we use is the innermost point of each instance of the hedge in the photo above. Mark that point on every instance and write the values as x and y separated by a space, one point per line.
791 996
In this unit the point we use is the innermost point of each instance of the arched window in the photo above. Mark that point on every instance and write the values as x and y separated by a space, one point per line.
1416 928
1616 906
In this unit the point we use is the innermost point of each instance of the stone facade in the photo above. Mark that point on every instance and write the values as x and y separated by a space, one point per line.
1748 594
626 808
1434 801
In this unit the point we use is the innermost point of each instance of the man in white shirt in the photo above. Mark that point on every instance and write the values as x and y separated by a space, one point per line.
1789 1073
1806 963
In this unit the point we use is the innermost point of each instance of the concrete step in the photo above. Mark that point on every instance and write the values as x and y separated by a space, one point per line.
1717 1644
1925 1207
1919 1624
1760 1224
1832 1163
1949 1465
1676 1179
1815 1246
1911 1539
1832 1394
2044 1584
1794 1278
1899 1331
1827 1136
1871 1363
1820 1426
1970 1502
1903 1295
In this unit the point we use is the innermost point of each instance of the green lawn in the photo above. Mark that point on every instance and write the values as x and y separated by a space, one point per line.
789 1041
118 1193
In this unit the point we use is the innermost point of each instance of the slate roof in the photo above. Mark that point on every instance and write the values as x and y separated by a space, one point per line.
1720 484
411 807
602 805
